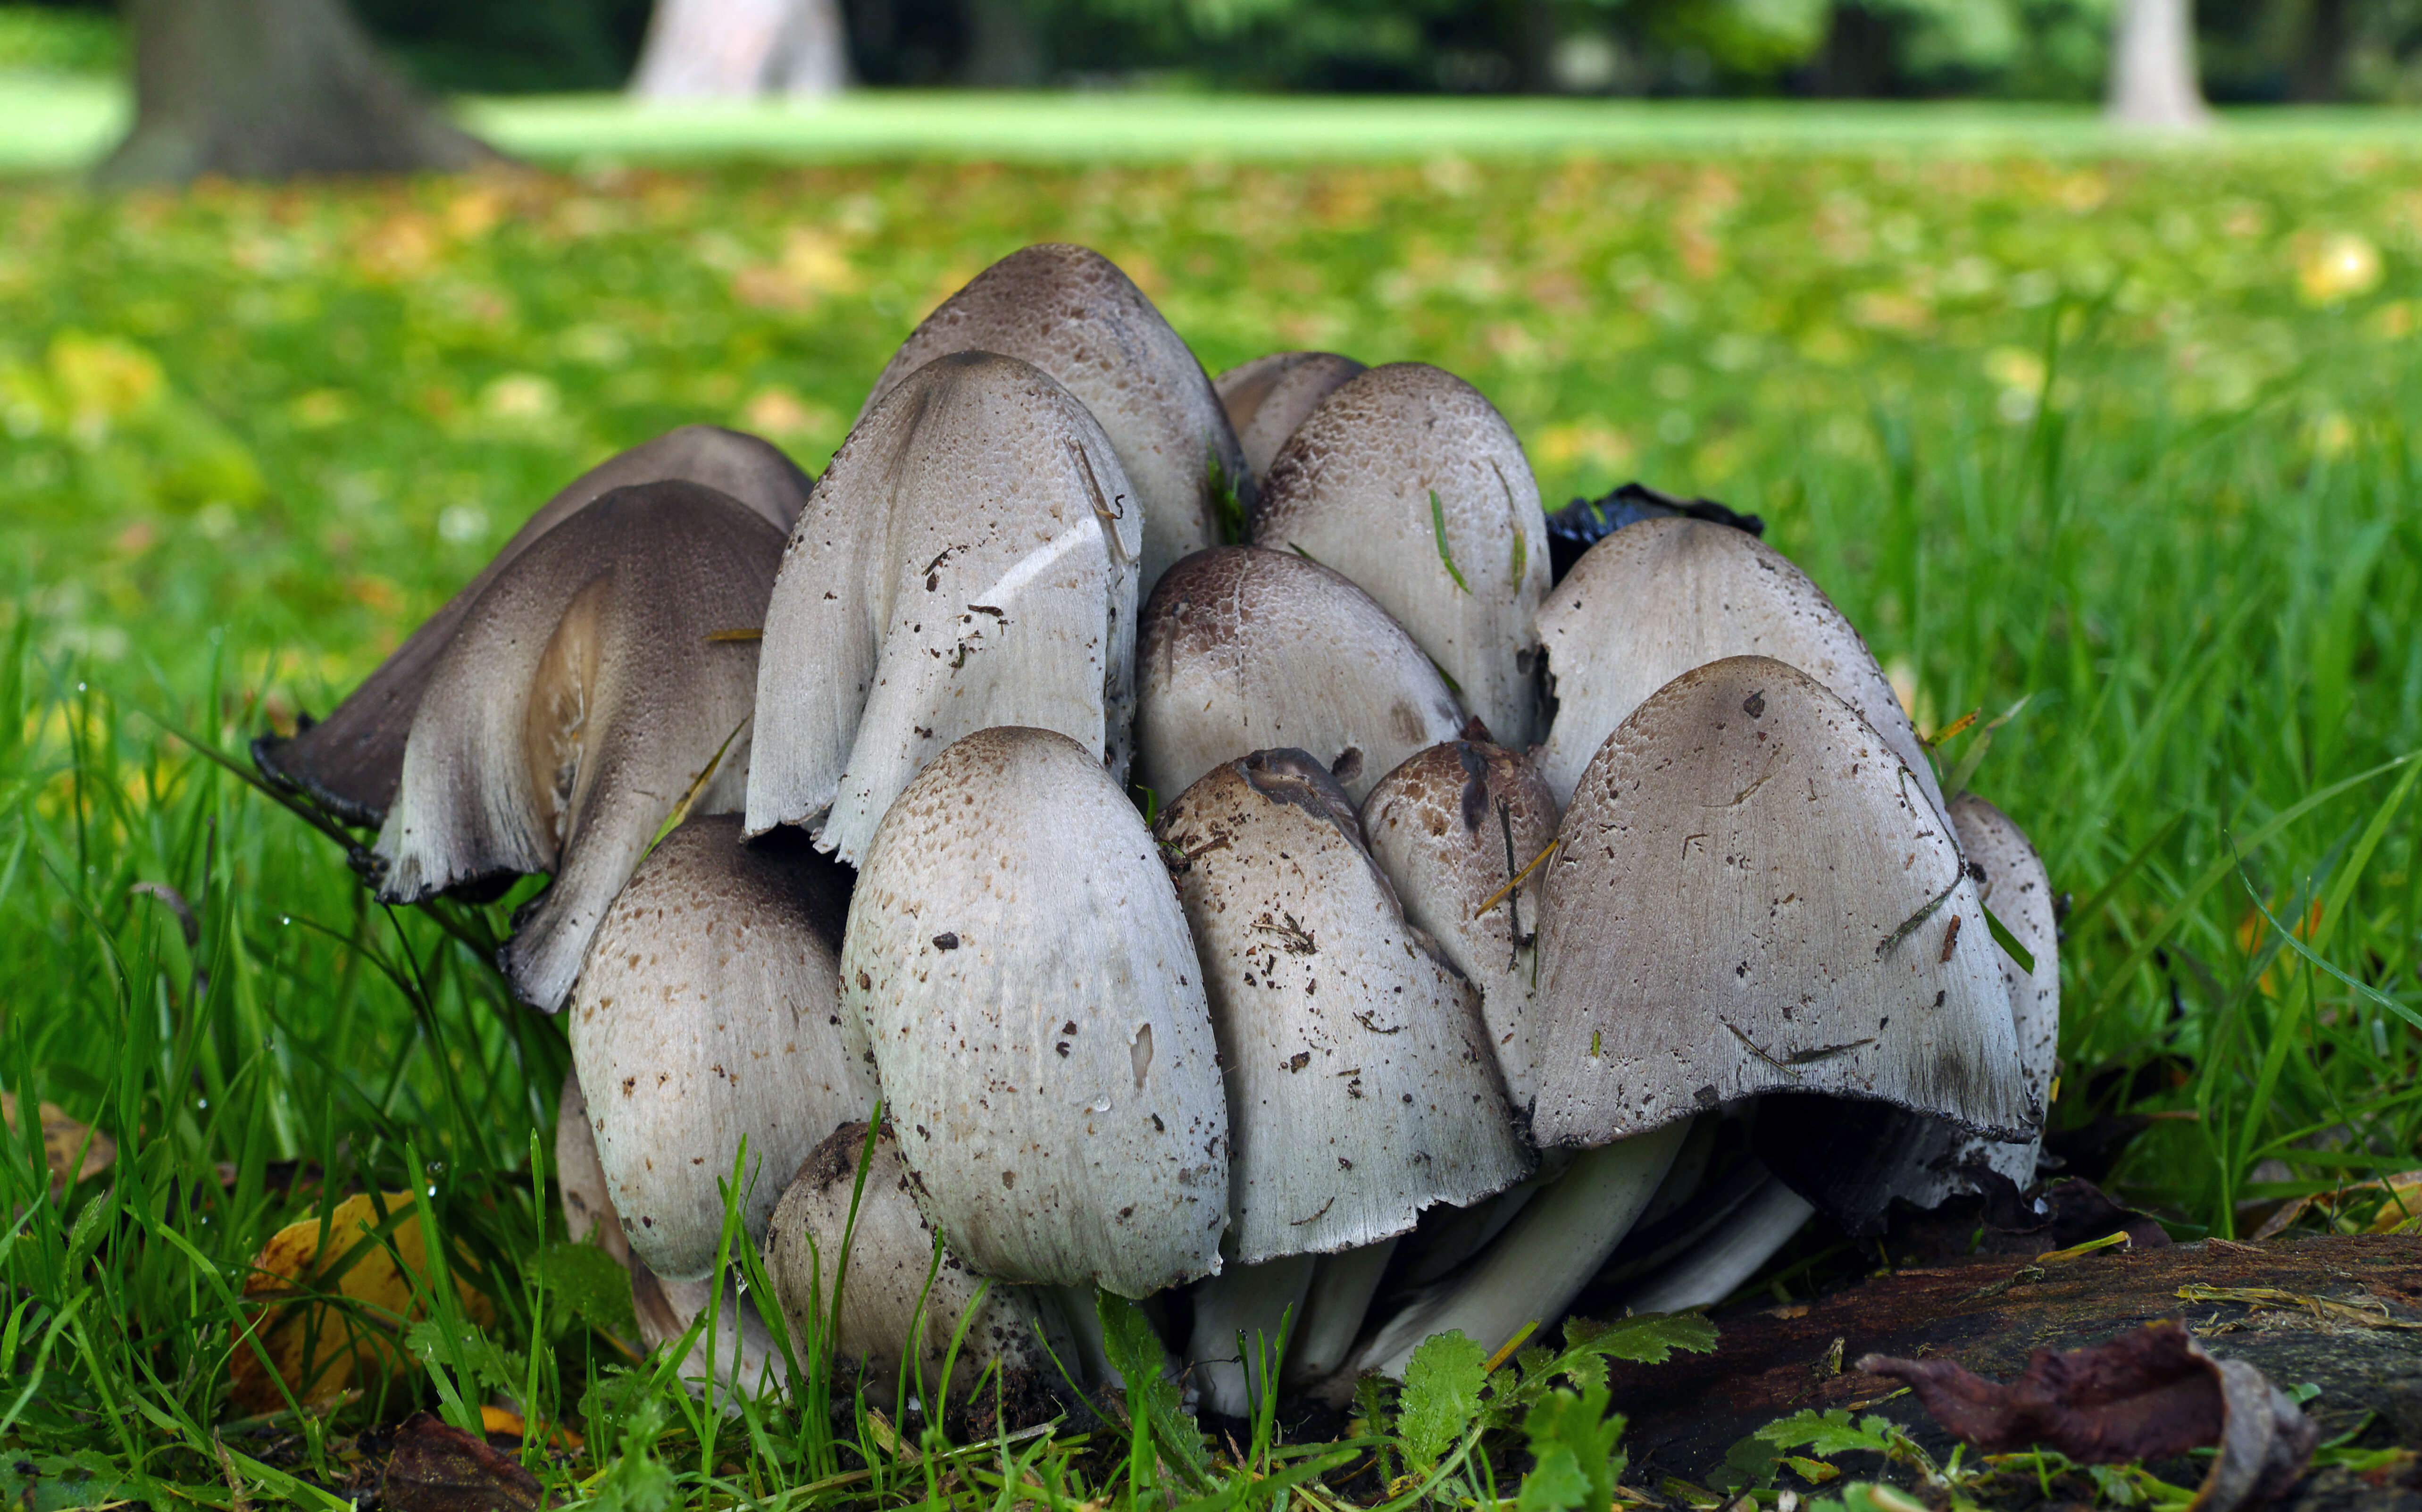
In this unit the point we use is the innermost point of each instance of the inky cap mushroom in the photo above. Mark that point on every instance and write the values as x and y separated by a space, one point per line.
709 1013
1655 599
1071 312
1360 1085
888 1318
1039 1022
1752 896
576 702
1245 649
733 1348
1269 397
1409 482
580 1176
1453 827
966 562
352 760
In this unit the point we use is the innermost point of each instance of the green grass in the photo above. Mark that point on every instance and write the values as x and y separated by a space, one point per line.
2124 437
54 124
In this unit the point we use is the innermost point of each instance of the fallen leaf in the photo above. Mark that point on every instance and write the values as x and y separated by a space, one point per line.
67 1146
2400 1204
2150 1394
501 1422
318 1345
440 1468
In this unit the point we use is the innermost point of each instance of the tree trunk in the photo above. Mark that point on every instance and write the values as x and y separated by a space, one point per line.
739 49
2153 69
269 89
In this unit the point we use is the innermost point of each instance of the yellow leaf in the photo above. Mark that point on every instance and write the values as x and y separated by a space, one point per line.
326 1334
67 1146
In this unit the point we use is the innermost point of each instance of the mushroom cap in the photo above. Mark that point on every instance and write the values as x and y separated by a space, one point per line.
1441 826
1246 649
1071 312
708 1013
1024 971
574 704
2018 891
964 563
1269 397
1360 1085
580 1176
1655 599
1750 897
352 760
1353 489
887 1315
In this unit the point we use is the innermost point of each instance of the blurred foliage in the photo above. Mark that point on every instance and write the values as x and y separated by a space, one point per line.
2250 50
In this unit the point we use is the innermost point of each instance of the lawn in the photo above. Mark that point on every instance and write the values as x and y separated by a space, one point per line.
2114 444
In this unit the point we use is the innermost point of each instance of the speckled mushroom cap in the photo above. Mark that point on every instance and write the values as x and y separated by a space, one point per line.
1071 312
1451 829
887 1315
351 760
1749 897
2016 887
1024 971
1353 488
1655 599
1244 649
574 704
580 1176
1360 1088
964 563
709 1013
1269 397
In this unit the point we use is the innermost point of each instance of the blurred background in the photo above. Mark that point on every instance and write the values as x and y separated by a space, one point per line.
2248 51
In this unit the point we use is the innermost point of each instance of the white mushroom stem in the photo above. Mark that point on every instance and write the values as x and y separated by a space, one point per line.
1333 1310
1544 1257
1240 1315
1730 1254
1069 1313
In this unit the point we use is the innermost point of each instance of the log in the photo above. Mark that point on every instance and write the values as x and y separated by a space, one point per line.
2345 1316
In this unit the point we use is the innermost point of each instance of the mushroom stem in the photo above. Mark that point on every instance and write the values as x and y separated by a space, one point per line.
1541 1261
1334 1311
1730 1253
1072 1310
1249 1305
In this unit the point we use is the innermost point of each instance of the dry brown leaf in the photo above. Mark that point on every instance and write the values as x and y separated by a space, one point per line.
319 1347
67 1146
2400 1204
2150 1394
437 1468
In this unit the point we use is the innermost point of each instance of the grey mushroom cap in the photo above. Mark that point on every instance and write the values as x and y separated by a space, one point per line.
1024 969
966 563
1360 1085
1452 828
2018 891
1750 897
708 1013
1369 483
1071 312
580 1176
576 702
1245 649
1269 397
1655 599
352 760
889 1322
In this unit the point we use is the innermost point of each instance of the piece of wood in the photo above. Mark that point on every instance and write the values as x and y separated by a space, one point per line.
2358 1338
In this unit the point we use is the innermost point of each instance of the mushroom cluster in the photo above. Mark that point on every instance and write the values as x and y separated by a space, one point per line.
1408 917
